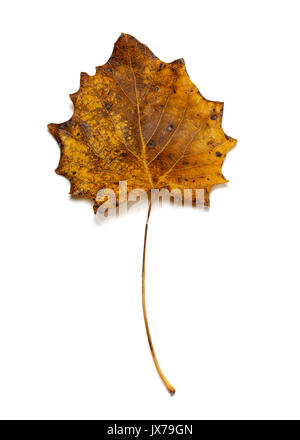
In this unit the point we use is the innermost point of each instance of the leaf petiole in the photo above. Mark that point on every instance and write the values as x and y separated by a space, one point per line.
170 388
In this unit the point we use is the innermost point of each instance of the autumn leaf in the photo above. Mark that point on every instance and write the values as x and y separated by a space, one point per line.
142 121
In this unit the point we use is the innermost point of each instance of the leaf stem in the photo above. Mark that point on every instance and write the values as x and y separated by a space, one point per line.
170 388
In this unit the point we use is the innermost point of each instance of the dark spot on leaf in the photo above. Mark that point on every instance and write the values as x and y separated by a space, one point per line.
218 154
151 143
214 117
107 106
170 128
108 69
156 89
74 172
123 154
185 163
174 90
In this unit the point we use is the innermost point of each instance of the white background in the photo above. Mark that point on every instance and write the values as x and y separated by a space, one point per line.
222 286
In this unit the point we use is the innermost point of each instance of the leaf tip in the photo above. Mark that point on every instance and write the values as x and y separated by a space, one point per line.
83 78
73 97
95 207
52 128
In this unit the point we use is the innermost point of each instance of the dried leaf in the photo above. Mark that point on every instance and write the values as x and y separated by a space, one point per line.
141 120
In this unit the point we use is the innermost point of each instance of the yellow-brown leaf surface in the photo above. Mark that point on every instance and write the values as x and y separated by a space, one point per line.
141 120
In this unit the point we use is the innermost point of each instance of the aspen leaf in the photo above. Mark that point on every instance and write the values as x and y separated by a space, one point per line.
142 121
